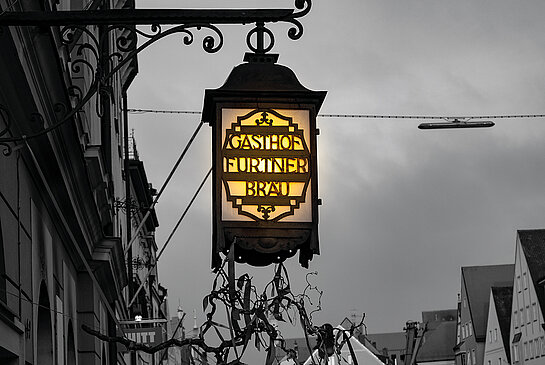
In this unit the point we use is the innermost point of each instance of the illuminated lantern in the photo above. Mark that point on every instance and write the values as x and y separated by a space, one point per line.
265 188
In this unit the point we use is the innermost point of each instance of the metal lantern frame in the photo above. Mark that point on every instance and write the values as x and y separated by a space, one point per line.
261 85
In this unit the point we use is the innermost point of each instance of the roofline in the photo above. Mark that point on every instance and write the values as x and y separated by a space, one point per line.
468 304
494 265
436 359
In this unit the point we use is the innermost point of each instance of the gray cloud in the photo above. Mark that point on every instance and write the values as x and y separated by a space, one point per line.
403 209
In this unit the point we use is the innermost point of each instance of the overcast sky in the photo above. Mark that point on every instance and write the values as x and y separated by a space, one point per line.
403 209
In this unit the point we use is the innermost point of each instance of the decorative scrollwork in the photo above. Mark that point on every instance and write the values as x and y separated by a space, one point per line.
264 119
133 206
37 121
140 263
260 32
4 117
208 44
87 52
104 51
126 46
7 148
5 122
296 32
60 109
266 210
75 92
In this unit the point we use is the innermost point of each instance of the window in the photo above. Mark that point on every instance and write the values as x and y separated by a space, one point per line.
473 356
521 317
489 362
543 346
525 280
470 328
495 334
469 359
536 347
490 336
528 319
534 311
515 319
518 284
499 361
525 349
463 332
531 349
515 353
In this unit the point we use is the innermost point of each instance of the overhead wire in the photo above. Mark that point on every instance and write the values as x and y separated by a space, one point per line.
362 116
162 189
170 236
9 7
25 299
38 305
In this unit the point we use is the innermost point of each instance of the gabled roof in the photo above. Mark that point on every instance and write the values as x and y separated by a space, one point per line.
478 280
391 340
533 247
439 337
503 298
443 315
438 343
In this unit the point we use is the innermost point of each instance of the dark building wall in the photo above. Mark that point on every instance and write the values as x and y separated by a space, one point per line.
61 261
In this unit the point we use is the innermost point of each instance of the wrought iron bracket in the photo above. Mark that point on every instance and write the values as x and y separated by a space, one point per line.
107 50
132 205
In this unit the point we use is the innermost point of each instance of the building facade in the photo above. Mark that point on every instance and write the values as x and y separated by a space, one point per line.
527 337
150 297
63 235
438 338
496 350
476 282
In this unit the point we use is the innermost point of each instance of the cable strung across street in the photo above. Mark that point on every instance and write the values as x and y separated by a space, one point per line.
364 116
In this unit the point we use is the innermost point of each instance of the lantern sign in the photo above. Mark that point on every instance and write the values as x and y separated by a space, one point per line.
265 165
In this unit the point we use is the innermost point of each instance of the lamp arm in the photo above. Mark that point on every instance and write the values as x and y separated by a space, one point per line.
104 55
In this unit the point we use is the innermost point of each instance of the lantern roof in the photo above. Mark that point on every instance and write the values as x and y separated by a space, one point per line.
260 79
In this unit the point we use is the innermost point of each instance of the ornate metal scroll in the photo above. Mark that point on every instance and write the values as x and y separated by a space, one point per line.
133 206
105 54
296 32
5 124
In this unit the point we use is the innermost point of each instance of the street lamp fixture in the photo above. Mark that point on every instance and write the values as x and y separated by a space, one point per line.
265 197
457 123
